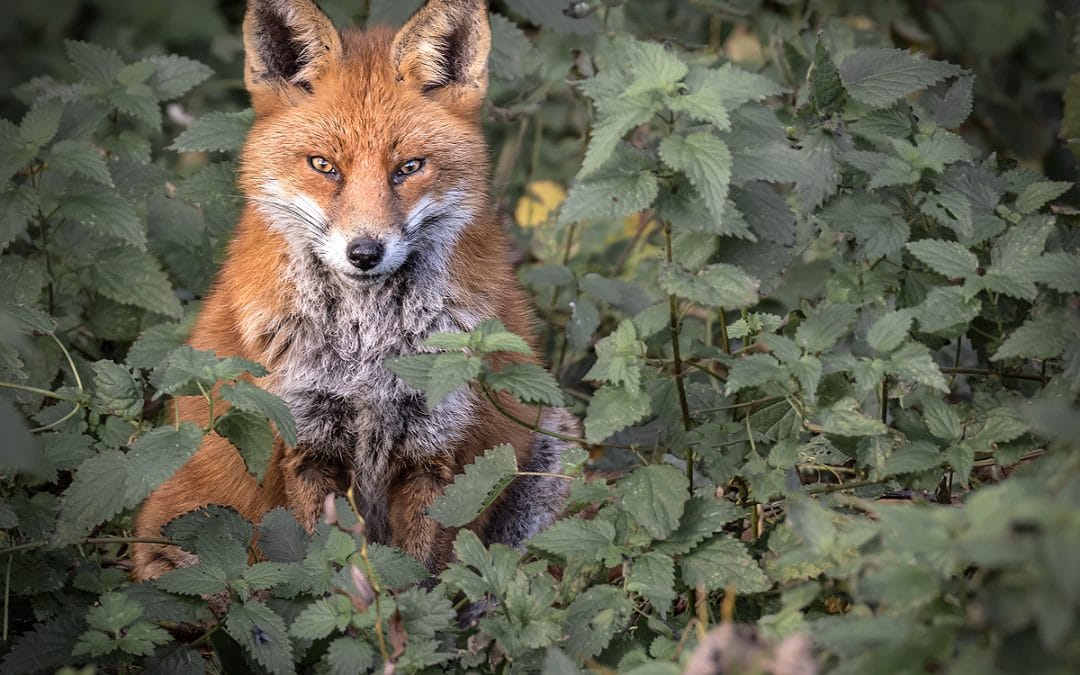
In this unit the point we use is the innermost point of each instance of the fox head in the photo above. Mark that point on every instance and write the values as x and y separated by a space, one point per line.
366 154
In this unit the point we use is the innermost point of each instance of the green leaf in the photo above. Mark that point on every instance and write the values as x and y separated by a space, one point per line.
753 370
492 337
450 371
1040 337
952 110
824 328
706 161
348 656
322 617
175 75
655 497
154 344
154 458
39 126
414 370
826 89
914 362
99 65
947 258
722 562
249 398
702 517
107 213
593 619
1036 195
199 580
575 539
115 391
714 285
889 331
475 489
215 131
281 538
131 277
653 577
1060 271
612 409
395 568
584 320
942 419
528 382
879 77
95 495
711 93
79 157
844 418
251 435
611 196
552 17
947 308
915 457
262 634
619 358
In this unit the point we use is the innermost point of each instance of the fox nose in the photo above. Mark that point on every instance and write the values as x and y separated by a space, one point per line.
365 253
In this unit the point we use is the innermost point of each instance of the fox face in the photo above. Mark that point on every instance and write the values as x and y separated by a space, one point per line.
366 155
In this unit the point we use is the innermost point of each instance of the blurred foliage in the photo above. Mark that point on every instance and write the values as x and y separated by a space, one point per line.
814 295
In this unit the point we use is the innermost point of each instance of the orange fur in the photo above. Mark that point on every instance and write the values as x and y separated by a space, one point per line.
368 101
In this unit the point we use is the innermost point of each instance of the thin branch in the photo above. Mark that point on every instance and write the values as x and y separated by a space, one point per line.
545 432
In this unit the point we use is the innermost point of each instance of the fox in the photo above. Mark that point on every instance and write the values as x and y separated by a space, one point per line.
367 226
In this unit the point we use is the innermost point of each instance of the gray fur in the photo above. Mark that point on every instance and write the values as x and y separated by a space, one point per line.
328 364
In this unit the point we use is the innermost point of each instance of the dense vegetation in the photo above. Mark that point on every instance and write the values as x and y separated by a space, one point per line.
813 289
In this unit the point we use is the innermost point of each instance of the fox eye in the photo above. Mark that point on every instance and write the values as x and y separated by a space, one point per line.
409 167
322 165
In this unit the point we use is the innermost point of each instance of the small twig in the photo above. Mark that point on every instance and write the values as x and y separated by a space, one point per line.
370 571
838 487
541 474
545 432
7 595
103 541
993 373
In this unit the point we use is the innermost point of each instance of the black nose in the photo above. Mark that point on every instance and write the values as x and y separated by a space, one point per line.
365 253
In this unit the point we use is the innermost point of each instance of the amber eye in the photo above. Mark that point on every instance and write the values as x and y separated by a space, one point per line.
322 165
409 167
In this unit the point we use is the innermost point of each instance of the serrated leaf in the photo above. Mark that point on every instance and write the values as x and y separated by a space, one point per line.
714 285
475 489
528 382
706 161
322 617
609 196
1036 195
889 331
395 568
589 540
450 371
653 577
1040 337
655 496
702 517
593 619
942 419
915 457
612 409
947 258
261 632
249 398
251 435
175 75
952 110
107 213
879 77
722 562
1060 271
215 132
584 320
39 126
97 64
844 418
753 370
348 656
155 456
619 358
202 579
70 156
949 307
115 391
826 89
131 277
95 495
824 328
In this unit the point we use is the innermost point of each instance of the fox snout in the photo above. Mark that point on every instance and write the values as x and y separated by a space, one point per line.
365 253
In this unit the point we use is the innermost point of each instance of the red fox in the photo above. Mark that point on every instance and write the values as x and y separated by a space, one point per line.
368 227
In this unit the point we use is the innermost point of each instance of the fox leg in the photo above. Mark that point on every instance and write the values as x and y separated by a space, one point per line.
308 477
411 529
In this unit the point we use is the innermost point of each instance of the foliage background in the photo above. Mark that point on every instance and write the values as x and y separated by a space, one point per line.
884 432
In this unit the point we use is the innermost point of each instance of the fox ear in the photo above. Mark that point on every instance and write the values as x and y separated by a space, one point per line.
445 45
288 45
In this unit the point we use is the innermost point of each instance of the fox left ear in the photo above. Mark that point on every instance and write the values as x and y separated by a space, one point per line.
288 45
445 46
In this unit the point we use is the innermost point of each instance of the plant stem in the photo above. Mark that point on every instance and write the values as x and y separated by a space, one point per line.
985 372
546 432
104 541
7 595
839 487
541 474
370 571
725 343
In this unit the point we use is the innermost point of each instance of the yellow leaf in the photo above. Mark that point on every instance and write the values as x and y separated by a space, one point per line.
539 203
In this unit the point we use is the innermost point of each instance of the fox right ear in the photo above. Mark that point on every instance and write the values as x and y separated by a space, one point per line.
288 45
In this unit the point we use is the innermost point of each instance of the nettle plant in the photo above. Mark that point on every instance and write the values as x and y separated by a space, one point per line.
828 390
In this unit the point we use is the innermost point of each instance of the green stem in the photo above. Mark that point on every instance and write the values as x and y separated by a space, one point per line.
102 541
34 390
545 432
